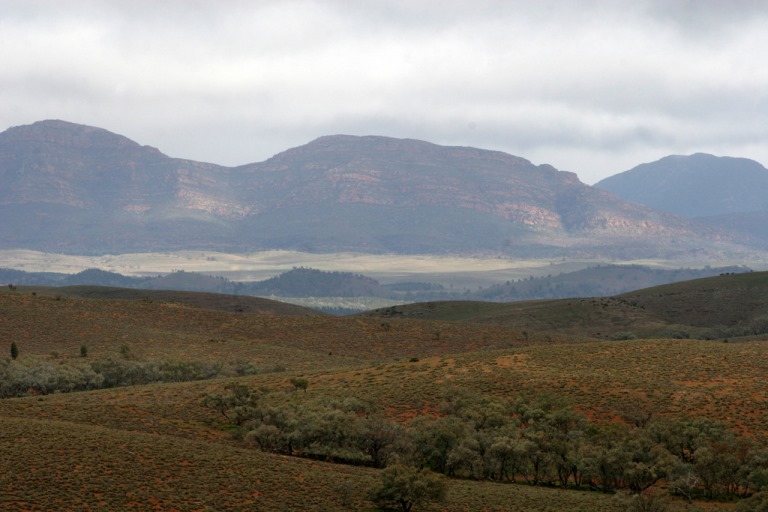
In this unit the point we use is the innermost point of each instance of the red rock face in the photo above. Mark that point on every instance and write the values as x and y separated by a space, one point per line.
70 187
408 173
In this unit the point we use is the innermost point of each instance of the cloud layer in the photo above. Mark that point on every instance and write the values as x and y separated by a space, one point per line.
593 87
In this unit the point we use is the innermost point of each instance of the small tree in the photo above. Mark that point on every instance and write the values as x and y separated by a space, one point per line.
643 503
405 486
14 350
300 383
126 352
239 405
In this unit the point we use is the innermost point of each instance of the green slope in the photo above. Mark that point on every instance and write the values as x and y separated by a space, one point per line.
721 306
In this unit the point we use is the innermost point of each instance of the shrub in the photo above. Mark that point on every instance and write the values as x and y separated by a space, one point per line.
300 383
623 335
405 486
756 503
644 503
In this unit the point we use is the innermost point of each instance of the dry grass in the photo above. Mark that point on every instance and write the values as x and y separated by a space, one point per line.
156 447
78 467
42 325
736 302
723 381
69 466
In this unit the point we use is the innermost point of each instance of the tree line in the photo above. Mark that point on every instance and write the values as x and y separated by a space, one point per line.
539 442
22 377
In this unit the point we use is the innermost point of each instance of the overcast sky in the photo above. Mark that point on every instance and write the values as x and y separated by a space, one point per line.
593 87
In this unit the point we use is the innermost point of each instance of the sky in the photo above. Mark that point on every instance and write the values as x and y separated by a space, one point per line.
588 86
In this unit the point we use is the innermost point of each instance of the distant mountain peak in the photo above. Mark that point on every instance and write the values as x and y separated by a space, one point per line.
67 134
696 185
346 148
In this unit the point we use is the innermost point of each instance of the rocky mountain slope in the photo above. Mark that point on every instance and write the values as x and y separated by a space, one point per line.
384 194
77 188
73 188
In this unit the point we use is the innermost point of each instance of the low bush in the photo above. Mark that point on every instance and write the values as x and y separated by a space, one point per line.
41 377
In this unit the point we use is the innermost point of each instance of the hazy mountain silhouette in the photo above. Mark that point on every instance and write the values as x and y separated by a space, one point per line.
699 185
725 193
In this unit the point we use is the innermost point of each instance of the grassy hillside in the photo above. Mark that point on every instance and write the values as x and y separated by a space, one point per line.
82 467
724 306
157 447
115 438
726 300
216 301
603 379
43 325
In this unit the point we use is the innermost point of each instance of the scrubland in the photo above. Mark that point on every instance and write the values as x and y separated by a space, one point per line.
165 445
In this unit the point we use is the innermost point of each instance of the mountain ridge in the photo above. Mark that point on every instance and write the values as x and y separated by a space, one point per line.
75 188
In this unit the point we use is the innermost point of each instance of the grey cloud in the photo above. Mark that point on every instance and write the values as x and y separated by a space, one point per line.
705 18
585 85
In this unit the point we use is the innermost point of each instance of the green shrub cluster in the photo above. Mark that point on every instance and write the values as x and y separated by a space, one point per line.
545 442
405 486
541 442
341 430
753 327
41 377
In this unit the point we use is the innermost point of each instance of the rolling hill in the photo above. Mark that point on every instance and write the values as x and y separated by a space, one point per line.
729 305
715 307
346 293
158 446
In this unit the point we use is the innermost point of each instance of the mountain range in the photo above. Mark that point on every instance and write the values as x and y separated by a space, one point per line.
66 187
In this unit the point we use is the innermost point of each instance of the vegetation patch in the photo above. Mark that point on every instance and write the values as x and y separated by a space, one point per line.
504 414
